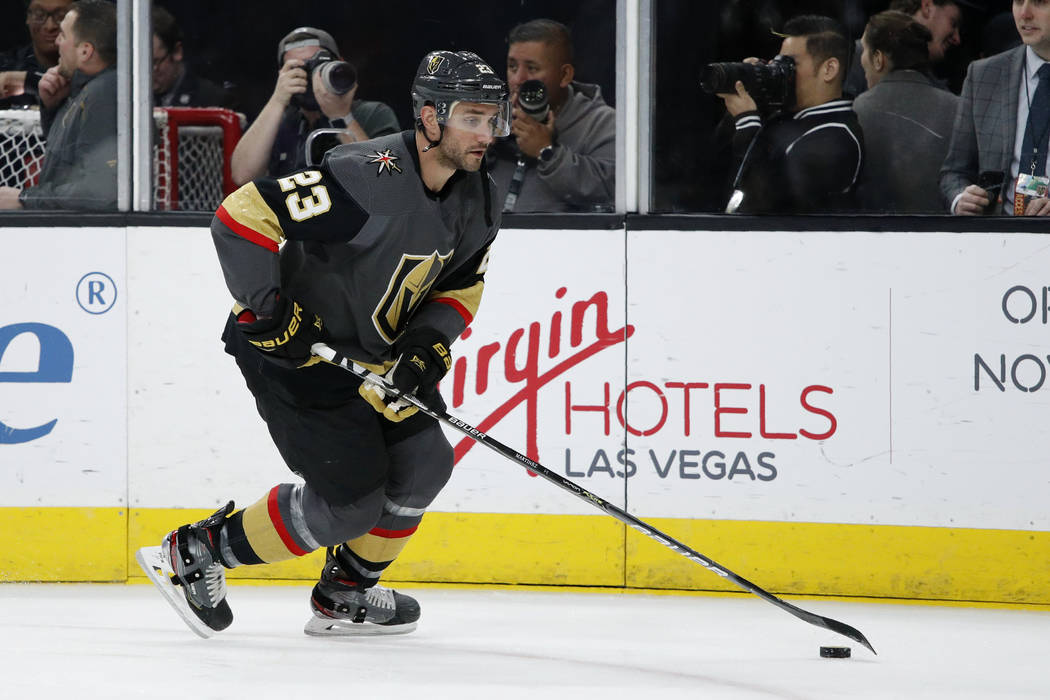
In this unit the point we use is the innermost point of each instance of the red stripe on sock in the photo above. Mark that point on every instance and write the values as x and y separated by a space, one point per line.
392 534
278 524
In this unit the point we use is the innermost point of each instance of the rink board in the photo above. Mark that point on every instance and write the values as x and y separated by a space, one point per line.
786 403
579 550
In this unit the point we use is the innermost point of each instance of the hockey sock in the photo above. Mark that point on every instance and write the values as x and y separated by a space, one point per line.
365 558
266 531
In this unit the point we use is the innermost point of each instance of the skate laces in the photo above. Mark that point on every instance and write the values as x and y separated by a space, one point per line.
215 582
380 597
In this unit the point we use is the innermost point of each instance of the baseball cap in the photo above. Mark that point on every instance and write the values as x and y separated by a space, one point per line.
306 36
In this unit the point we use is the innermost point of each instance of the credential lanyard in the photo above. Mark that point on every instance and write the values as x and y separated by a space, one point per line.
1028 125
514 189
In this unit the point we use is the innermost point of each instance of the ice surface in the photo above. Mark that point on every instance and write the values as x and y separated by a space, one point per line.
117 641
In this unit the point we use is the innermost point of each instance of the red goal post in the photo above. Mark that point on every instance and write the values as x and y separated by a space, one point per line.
192 147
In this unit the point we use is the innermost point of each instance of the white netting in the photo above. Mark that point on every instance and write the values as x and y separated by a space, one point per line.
201 158
200 155
21 147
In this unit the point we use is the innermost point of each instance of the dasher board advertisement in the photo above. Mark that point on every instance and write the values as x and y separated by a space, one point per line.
63 422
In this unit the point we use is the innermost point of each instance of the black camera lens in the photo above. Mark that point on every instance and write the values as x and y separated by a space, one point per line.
339 77
534 101
720 77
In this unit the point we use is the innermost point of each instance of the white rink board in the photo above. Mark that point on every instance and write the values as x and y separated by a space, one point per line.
62 348
535 281
158 416
195 438
890 323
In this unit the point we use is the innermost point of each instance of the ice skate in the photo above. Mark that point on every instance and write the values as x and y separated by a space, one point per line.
187 571
341 608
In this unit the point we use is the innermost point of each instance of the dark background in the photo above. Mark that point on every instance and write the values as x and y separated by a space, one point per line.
690 155
236 43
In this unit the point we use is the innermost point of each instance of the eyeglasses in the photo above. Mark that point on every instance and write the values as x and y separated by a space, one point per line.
159 60
38 15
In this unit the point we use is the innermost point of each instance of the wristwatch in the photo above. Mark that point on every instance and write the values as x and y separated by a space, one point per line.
341 122
546 153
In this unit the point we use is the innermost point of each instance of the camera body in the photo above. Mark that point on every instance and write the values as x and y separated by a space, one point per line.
338 77
771 85
532 95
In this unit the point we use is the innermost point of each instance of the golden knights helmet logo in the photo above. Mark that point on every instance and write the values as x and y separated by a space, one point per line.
435 63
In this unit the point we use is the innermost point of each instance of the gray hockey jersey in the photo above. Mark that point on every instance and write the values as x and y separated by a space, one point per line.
363 243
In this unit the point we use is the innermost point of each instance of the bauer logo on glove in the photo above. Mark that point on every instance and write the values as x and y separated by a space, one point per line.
422 360
284 334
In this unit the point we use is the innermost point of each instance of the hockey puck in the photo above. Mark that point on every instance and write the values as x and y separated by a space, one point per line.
834 652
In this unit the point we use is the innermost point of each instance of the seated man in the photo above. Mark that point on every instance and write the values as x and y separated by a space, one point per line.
906 118
567 162
806 157
275 143
22 68
174 85
79 117
999 138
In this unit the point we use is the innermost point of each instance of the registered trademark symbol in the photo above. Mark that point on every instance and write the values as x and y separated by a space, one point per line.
96 293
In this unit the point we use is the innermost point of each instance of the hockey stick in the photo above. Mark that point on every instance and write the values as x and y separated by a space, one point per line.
623 516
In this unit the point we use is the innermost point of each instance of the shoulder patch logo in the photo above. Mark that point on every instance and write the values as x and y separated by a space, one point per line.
435 63
385 160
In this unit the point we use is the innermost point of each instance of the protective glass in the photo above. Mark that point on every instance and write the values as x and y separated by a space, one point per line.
479 118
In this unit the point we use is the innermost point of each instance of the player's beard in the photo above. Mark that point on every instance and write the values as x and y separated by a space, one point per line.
457 156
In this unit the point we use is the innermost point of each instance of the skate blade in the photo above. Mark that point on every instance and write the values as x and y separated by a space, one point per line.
153 562
329 627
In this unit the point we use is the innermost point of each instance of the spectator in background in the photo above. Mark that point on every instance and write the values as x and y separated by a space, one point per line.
79 117
805 158
906 118
21 68
1002 124
941 17
275 143
174 85
999 34
567 162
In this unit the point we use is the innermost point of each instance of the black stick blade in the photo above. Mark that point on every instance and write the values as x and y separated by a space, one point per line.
848 631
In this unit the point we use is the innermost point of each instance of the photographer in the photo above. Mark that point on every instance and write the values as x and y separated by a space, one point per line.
561 156
301 103
802 152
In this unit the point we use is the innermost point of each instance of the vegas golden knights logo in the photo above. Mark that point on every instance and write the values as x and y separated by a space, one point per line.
409 285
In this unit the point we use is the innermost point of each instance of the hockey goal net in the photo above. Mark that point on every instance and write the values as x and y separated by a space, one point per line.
191 154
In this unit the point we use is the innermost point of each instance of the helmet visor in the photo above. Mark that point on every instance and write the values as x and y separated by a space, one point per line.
486 118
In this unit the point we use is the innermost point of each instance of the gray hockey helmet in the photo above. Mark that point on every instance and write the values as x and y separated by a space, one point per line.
447 77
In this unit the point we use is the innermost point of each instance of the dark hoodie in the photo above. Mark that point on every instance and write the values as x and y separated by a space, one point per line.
581 175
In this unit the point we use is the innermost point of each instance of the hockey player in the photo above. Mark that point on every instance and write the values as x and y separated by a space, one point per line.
385 247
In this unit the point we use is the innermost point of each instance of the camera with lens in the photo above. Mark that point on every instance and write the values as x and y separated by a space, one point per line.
338 77
532 95
771 85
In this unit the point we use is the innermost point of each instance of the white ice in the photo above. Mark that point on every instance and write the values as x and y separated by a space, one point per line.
117 641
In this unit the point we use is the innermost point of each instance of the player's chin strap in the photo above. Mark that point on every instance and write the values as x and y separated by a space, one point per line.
441 131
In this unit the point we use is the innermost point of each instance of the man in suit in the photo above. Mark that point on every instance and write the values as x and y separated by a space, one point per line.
993 116
905 117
